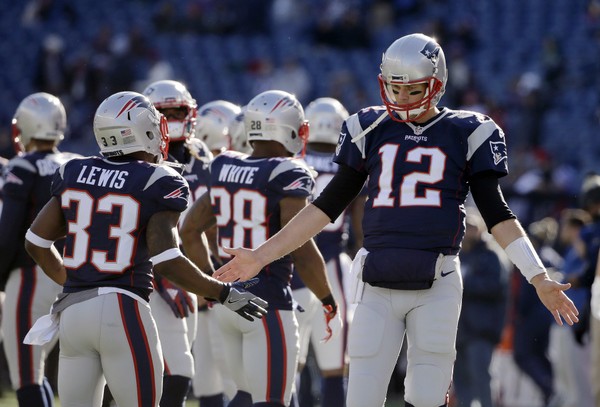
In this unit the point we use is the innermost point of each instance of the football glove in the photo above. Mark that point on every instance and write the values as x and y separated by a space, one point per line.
333 321
179 300
235 297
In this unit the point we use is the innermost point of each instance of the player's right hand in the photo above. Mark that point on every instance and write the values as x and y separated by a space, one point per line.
242 267
235 297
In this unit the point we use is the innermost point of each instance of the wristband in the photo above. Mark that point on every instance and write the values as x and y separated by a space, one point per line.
329 300
37 240
167 255
523 255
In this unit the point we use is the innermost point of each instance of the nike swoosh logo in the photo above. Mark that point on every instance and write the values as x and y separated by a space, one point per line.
233 302
445 274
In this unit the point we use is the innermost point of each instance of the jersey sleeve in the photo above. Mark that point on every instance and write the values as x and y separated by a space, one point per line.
352 153
292 178
169 189
19 179
487 148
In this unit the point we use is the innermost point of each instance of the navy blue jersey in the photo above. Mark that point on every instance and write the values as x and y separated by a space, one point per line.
332 239
196 171
26 190
245 194
107 205
419 174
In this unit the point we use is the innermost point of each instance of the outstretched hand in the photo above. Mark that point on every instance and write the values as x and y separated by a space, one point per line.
243 266
551 294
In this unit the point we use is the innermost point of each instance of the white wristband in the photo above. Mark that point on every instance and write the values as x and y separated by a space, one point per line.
38 241
167 255
523 255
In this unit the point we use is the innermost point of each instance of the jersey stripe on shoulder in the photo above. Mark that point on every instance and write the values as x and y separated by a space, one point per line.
479 136
288 165
159 172
21 163
354 128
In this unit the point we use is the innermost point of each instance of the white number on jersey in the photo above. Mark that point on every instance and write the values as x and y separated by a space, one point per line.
388 154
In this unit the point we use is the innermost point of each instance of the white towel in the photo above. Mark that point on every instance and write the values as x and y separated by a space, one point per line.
43 331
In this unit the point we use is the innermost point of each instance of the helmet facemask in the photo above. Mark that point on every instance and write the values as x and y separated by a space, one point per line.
410 111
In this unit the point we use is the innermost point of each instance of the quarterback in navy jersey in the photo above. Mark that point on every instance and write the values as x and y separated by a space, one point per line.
119 214
39 124
251 197
420 161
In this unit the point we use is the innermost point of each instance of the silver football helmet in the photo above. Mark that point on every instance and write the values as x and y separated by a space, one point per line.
214 124
127 122
278 116
166 94
326 116
39 116
413 59
237 131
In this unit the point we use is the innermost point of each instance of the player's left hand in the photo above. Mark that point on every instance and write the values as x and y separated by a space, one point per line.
552 295
333 320
178 299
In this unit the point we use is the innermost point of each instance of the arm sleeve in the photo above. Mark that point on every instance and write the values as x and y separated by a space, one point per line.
489 199
345 185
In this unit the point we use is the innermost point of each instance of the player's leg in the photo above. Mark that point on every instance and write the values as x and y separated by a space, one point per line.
130 352
177 352
374 343
80 378
331 355
29 295
272 343
207 382
308 311
431 334
230 328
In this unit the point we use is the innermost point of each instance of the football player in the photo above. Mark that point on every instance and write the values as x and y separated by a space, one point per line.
251 197
173 309
38 125
120 214
419 161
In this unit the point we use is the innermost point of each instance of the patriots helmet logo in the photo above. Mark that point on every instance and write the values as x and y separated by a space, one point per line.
137 101
431 51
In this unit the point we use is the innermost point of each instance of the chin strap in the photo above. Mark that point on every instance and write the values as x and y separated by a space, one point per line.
371 127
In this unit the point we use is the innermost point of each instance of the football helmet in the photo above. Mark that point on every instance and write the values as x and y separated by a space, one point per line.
127 122
237 131
278 116
166 94
214 122
39 116
326 116
413 59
